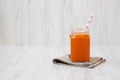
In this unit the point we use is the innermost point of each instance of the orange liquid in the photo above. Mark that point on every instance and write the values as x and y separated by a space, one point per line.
80 47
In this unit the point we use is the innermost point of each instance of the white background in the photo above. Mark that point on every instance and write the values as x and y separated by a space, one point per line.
33 32
49 22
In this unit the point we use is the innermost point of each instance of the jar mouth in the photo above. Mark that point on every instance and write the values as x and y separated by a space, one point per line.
80 30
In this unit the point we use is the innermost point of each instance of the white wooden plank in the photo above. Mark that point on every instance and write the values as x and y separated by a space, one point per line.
45 22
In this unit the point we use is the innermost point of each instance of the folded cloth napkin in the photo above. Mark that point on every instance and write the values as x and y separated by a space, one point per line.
94 61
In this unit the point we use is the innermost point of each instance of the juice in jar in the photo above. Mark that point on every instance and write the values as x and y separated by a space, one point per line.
80 46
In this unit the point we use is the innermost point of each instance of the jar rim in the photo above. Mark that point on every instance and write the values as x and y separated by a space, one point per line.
82 30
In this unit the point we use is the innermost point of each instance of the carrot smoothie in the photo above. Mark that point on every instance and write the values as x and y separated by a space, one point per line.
80 47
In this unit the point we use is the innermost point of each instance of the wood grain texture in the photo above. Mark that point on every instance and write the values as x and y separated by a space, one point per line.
35 63
49 22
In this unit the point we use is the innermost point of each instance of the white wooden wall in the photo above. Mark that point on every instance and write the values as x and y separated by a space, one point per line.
49 22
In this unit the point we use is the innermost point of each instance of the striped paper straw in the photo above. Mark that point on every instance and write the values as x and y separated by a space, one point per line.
89 21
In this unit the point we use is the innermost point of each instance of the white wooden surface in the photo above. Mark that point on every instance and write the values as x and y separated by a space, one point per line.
49 22
35 63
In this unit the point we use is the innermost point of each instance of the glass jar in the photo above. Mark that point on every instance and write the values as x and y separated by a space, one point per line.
80 45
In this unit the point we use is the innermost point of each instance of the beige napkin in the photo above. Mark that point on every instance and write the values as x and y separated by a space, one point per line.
94 61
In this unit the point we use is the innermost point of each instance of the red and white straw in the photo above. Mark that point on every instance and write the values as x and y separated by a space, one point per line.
89 21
